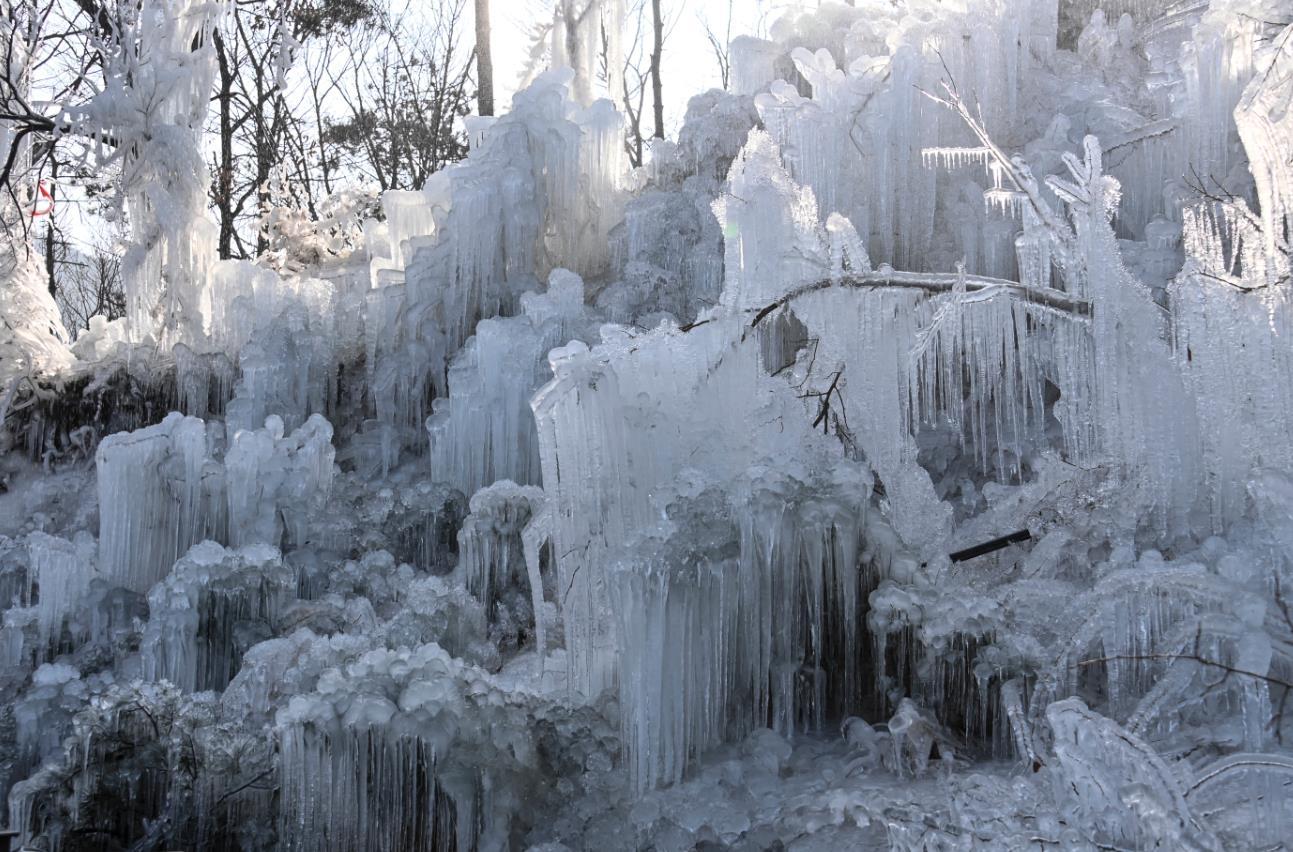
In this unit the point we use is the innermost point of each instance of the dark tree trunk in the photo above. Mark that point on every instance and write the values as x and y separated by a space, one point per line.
657 28
49 233
224 168
484 60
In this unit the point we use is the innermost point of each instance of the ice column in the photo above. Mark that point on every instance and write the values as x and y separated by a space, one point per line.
275 483
727 627
62 570
213 605
544 183
151 506
484 430
489 544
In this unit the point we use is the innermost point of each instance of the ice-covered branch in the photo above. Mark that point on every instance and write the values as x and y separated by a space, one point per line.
1013 167
936 282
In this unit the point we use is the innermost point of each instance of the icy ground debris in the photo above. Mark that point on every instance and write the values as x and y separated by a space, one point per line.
562 506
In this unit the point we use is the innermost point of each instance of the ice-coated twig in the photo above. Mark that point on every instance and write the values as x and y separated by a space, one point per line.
1203 661
1013 167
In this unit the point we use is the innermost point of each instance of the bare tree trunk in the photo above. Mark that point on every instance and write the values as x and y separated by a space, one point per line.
657 28
224 167
50 257
484 60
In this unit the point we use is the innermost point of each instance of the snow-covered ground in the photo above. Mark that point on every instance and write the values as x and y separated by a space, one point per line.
569 506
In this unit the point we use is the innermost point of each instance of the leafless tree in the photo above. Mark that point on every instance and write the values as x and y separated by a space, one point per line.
633 82
720 43
259 125
403 87
49 48
91 287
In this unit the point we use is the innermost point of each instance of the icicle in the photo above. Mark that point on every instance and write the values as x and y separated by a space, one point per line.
484 431
274 482
955 158
150 499
490 543
546 182
62 571
202 616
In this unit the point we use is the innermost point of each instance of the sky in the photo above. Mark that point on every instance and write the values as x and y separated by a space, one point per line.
688 66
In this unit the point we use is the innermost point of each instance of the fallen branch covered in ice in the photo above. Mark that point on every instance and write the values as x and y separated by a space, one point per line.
936 282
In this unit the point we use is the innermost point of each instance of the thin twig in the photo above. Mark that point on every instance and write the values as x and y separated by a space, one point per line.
1284 684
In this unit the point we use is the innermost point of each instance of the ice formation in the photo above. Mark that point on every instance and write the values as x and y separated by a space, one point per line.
898 458
165 488
212 606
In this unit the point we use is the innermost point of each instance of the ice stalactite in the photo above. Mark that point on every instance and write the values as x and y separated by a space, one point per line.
483 431
1234 288
784 484
360 787
546 180
1153 434
669 252
407 749
738 615
424 523
204 381
609 439
999 405
56 693
282 333
275 482
62 571
164 488
153 501
770 227
774 242
617 448
859 140
214 604
490 549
